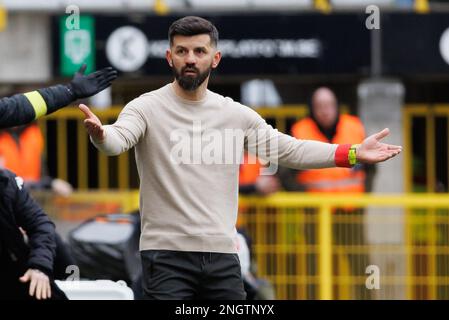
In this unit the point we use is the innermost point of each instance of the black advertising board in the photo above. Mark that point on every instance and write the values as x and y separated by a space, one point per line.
415 44
278 44
257 44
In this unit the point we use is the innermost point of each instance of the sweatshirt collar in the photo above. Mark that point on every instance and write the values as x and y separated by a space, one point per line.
186 101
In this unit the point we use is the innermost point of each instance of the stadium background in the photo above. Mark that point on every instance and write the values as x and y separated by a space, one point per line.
276 54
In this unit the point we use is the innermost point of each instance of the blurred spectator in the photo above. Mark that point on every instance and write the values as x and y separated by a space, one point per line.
251 181
327 124
21 151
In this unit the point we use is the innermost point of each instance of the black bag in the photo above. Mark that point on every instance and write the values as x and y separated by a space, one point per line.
107 247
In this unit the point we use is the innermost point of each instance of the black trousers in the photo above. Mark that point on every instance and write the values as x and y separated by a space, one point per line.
183 275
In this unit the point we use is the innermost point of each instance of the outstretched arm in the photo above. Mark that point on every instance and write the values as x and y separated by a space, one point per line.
119 137
272 145
23 108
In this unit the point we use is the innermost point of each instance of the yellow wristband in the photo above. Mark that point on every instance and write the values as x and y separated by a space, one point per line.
352 155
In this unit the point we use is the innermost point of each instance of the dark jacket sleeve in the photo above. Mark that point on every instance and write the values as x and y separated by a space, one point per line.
57 97
21 109
15 110
40 230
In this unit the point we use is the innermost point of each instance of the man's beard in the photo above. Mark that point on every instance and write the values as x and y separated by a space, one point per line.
191 83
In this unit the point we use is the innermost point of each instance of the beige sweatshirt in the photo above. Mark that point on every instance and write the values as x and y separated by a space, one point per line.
188 156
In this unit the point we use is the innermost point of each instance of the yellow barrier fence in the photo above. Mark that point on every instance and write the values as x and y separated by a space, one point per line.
350 253
426 147
83 205
308 249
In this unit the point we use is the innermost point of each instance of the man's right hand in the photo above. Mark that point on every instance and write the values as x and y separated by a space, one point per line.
93 124
39 284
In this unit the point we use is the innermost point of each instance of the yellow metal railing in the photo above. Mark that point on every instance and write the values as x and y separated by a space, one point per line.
422 161
277 223
280 254
82 205
429 114
66 152
321 266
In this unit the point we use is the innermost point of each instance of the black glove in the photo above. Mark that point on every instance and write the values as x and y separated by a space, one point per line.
83 86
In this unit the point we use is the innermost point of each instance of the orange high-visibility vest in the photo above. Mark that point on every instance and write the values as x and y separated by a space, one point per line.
25 158
249 172
249 169
349 130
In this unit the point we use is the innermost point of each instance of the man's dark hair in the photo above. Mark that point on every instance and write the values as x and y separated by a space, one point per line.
192 26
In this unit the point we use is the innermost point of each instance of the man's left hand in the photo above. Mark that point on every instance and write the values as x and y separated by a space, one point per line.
83 86
372 150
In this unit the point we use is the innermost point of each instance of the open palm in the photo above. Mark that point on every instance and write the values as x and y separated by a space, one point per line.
373 151
92 124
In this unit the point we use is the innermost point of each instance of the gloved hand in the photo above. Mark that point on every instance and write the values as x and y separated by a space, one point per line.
83 86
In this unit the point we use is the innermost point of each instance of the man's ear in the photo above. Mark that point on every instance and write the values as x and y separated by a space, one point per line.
168 57
216 60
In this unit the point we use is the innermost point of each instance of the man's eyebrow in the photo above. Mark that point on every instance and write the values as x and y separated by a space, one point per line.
182 47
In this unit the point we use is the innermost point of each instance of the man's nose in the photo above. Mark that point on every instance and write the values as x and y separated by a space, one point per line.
190 58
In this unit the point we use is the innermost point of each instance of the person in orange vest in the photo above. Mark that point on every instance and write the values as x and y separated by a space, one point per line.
251 181
326 124
21 151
